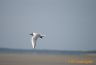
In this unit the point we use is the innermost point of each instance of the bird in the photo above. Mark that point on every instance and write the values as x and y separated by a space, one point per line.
35 36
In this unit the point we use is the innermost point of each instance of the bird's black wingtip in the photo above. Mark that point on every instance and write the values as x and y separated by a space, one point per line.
31 34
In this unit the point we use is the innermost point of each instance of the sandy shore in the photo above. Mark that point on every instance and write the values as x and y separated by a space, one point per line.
45 59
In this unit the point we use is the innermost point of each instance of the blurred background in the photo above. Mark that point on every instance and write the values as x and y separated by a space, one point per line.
67 24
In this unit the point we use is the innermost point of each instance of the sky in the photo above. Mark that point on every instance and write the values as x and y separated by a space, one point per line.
67 24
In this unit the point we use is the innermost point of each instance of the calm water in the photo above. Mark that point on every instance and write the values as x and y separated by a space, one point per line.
36 51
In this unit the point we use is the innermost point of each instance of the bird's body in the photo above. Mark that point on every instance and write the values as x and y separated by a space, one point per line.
35 36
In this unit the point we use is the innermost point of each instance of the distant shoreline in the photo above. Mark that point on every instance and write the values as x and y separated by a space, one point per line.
36 51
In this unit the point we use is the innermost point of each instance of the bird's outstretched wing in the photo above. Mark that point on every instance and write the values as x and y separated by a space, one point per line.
34 42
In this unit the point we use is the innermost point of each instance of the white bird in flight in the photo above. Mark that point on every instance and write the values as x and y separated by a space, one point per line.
35 36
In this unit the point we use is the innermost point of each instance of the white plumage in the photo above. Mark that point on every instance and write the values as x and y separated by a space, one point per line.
35 36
